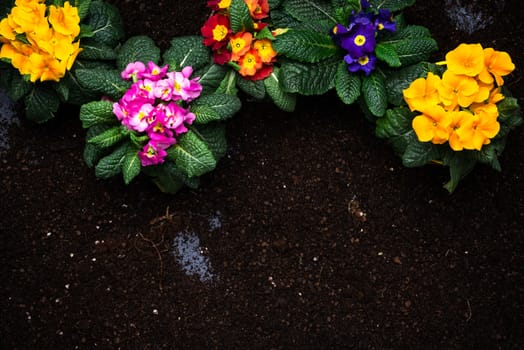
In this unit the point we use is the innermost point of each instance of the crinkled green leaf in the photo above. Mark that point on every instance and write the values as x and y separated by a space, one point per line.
131 165
94 50
210 77
107 82
106 23
305 45
374 93
97 112
138 48
255 88
214 134
215 107
108 138
192 155
228 85
347 84
309 11
307 78
82 6
284 100
392 5
41 104
387 53
111 164
93 153
187 51
239 17
395 126
168 178
460 164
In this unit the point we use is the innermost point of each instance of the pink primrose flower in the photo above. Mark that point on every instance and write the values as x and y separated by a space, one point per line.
151 154
139 119
146 89
163 90
134 71
155 72
174 115
183 88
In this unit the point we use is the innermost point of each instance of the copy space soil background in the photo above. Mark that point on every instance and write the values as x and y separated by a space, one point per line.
316 236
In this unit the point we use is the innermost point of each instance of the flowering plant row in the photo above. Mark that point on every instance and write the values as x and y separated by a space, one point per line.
162 120
161 114
43 43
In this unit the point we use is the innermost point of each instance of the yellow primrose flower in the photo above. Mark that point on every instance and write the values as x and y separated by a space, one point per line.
457 90
224 4
45 67
72 55
65 20
265 50
30 18
467 59
7 31
432 125
498 63
482 128
460 130
422 93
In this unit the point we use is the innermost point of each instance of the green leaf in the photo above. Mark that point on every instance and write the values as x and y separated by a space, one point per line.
347 84
395 126
374 93
419 153
210 77
106 23
192 155
214 135
62 89
510 115
93 50
387 54
309 79
214 107
77 94
460 164
93 153
344 9
108 138
187 51
131 165
305 45
392 5
168 178
107 82
41 104
255 89
138 48
282 99
239 17
228 84
18 87
310 11
111 164
97 112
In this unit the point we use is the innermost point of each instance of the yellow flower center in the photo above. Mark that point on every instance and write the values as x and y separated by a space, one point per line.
363 60
219 32
360 40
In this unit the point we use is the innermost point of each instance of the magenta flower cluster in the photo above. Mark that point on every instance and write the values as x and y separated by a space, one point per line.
156 105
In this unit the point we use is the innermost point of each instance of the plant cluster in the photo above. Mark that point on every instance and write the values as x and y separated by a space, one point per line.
458 116
44 42
40 41
161 114
248 46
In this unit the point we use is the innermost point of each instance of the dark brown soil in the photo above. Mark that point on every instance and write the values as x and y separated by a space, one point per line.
317 237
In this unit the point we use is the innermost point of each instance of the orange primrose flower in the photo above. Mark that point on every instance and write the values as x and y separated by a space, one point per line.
422 93
249 63
240 44
432 125
65 20
265 50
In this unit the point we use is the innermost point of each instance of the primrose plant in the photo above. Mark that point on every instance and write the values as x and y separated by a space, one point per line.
349 45
163 120
44 43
